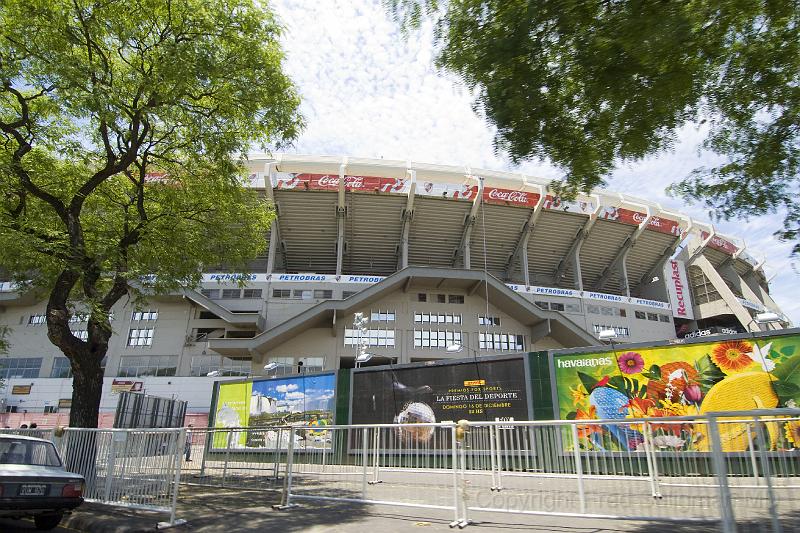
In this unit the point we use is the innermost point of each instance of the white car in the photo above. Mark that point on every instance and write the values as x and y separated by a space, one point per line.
34 482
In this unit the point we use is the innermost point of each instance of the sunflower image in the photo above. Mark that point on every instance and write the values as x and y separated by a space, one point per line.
793 433
732 357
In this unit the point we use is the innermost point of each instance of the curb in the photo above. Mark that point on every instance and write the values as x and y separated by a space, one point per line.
102 519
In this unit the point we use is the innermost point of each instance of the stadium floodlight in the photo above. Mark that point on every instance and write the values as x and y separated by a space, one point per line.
214 374
271 366
607 335
454 348
768 318
363 357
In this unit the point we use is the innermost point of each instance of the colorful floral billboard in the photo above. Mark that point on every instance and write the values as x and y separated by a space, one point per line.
681 380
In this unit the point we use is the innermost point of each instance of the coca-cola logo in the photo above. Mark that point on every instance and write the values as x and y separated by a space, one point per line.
639 217
519 197
353 182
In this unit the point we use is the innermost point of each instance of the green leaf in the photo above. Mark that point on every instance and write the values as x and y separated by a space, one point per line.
786 389
588 381
572 415
788 374
618 383
788 350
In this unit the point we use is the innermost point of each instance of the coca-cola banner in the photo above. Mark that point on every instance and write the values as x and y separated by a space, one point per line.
718 243
626 216
330 182
495 195
678 288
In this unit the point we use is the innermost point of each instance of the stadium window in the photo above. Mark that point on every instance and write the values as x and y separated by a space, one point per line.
554 306
347 294
20 367
441 298
593 309
455 298
323 294
621 331
501 342
231 294
435 339
488 320
375 337
652 316
78 317
37 320
543 305
61 368
211 294
140 337
422 297
437 318
382 316
137 316
622 312
281 293
82 334
301 294
641 315
207 315
572 308
663 318
251 293
147 365
607 311
50 409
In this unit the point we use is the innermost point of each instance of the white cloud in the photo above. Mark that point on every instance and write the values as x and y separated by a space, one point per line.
368 92
294 396
286 388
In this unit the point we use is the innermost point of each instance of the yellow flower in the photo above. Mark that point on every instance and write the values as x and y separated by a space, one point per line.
578 395
677 409
793 433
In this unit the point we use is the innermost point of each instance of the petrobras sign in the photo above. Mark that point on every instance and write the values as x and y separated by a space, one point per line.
605 297
755 306
649 303
678 288
323 278
232 277
555 291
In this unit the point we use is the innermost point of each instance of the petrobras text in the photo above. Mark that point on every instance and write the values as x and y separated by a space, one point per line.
573 363
229 277
650 303
606 297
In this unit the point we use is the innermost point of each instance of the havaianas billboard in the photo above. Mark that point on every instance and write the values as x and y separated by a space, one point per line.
303 400
680 380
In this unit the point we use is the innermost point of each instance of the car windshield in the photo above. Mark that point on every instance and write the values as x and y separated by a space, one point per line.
28 452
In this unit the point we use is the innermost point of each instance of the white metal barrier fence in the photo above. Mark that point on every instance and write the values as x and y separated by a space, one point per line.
137 468
714 467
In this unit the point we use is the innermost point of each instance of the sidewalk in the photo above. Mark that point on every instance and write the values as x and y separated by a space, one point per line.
233 511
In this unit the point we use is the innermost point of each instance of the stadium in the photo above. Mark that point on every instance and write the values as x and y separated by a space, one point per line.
440 261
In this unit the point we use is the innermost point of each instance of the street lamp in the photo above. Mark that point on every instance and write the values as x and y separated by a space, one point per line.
609 335
214 374
362 358
273 365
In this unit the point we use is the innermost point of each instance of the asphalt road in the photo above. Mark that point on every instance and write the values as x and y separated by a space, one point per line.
8 525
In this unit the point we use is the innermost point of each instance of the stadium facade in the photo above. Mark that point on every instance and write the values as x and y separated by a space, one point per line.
433 256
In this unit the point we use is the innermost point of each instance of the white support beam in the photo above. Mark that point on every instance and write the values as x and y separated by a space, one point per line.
573 254
658 267
618 263
407 215
469 223
730 299
274 233
521 248
341 213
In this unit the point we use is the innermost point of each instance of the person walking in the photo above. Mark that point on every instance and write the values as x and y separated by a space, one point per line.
187 446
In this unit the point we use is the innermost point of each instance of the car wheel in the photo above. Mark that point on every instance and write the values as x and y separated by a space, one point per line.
46 522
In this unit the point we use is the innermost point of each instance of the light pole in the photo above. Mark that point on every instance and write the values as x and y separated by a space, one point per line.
274 365
609 335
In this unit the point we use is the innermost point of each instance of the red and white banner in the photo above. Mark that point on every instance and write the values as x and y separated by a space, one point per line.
678 288
455 191
330 182
496 195
580 206
718 243
626 216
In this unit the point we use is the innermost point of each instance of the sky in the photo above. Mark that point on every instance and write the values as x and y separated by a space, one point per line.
368 91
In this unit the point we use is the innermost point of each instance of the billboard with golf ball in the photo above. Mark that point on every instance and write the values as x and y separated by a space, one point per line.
300 400
679 380
487 390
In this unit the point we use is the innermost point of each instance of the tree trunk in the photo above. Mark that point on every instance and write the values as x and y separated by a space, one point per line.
87 388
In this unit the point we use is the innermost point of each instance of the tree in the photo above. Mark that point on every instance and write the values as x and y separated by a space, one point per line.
122 126
589 83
